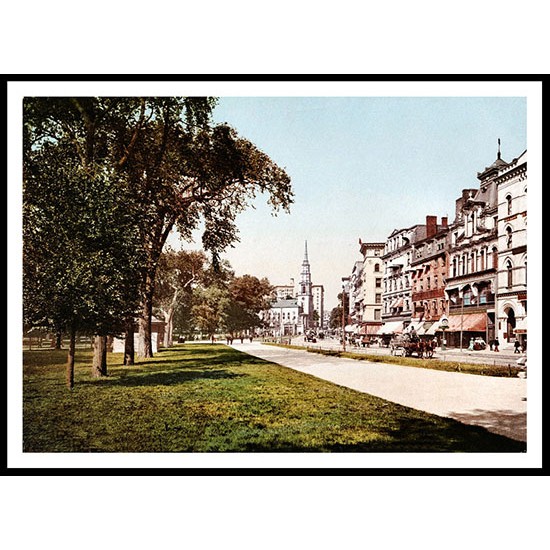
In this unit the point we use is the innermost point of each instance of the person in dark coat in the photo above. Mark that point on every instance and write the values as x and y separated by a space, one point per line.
516 346
496 343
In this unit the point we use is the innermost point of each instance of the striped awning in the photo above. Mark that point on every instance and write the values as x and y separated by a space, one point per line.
391 327
370 329
469 322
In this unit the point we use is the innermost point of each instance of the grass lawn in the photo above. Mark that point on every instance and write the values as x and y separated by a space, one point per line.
212 398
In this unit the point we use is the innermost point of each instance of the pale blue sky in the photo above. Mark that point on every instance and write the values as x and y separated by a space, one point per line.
361 167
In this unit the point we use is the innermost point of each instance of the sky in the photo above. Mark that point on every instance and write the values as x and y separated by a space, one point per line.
361 167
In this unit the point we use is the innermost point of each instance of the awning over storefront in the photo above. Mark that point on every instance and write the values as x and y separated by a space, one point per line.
391 327
521 326
470 322
430 327
369 329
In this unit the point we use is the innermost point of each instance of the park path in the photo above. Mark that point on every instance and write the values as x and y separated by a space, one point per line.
497 404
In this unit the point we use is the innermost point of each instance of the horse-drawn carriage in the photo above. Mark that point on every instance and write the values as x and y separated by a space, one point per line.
405 344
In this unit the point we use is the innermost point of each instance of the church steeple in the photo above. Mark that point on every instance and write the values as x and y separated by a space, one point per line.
498 153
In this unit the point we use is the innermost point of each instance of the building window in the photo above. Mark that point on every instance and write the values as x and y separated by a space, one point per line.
509 274
378 283
467 297
470 224
378 298
509 204
377 267
428 283
509 237
377 315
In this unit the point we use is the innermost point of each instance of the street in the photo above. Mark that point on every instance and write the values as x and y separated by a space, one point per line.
503 357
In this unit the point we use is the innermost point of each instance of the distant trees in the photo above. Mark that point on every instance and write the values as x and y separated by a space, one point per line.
105 182
178 272
212 298
249 296
336 315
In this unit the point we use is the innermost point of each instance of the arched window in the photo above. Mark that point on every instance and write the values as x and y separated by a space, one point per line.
482 259
376 267
509 274
509 204
509 237
495 257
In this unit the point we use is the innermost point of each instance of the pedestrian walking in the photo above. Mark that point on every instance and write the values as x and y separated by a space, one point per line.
516 347
496 343
471 346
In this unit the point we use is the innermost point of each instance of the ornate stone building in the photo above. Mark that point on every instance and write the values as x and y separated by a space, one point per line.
367 287
512 252
397 280
473 260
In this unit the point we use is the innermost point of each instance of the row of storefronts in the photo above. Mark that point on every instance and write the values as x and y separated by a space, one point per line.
453 281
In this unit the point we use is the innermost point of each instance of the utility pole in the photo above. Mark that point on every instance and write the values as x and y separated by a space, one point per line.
344 279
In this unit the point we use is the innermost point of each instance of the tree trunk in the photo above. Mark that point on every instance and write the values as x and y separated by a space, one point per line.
169 328
145 348
70 358
99 366
58 336
129 343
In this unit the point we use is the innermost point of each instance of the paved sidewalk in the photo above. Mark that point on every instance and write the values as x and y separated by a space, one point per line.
497 404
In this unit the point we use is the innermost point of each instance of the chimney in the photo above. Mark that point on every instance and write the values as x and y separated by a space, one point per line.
443 221
431 226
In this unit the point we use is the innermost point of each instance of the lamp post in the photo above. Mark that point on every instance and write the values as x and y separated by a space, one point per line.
344 280
343 321
443 325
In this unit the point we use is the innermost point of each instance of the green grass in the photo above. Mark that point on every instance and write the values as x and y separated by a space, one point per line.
211 398
433 363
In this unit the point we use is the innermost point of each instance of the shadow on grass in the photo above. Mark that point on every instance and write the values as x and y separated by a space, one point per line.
192 364
167 378
411 436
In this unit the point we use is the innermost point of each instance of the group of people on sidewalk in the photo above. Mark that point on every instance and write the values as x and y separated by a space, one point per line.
493 345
